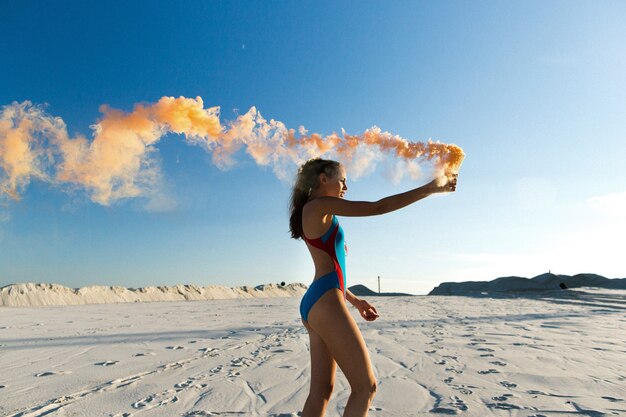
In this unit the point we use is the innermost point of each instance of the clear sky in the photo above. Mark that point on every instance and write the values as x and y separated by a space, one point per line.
534 92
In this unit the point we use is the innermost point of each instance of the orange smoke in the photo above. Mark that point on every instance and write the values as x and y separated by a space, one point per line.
120 161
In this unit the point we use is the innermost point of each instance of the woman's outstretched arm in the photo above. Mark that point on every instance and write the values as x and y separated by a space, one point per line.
341 207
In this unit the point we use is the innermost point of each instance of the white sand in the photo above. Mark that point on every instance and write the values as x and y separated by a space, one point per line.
560 355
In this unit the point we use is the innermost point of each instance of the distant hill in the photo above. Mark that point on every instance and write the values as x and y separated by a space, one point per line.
541 282
362 290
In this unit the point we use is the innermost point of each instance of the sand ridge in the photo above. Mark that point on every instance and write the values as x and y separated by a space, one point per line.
40 294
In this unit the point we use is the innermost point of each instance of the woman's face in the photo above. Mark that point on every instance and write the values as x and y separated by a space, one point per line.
336 186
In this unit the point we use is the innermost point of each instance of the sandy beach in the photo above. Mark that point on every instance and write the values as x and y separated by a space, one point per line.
560 353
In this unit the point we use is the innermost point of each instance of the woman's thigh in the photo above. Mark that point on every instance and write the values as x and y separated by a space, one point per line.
330 319
323 366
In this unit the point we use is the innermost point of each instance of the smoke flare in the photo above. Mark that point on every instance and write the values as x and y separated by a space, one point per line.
120 160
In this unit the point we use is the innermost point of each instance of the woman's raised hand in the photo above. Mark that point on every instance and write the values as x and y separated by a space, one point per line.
444 183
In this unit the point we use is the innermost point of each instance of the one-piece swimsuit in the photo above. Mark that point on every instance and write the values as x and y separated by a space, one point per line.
332 242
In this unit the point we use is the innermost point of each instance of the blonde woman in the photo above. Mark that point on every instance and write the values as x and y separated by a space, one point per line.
316 201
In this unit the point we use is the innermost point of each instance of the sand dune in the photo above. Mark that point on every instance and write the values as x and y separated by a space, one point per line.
29 294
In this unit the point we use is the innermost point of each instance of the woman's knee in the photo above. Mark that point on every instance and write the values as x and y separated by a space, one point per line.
323 392
366 387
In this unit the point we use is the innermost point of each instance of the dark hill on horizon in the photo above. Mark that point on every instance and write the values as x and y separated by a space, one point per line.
543 282
362 290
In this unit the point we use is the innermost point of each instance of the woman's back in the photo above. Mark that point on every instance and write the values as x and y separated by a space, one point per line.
327 247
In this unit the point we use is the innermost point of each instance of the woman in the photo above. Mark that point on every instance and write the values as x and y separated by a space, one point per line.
316 200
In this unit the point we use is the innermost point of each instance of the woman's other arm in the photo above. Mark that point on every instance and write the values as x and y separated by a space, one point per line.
367 311
351 298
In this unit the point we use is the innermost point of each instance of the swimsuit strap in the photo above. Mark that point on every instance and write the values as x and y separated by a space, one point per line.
326 241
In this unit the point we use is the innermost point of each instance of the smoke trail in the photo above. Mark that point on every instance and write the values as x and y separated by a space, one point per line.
121 159
24 154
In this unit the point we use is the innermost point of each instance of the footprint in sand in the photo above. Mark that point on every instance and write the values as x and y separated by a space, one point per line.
144 402
143 354
489 371
504 406
50 373
282 351
217 369
456 371
499 363
240 362
2 386
122 382
440 362
458 403
174 347
448 379
508 384
503 397
233 374
430 351
487 355
184 384
148 400
173 399
443 410
547 394
485 350
613 400
462 389
207 350
440 410
107 363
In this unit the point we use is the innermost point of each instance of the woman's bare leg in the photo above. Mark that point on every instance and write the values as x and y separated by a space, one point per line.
330 319
323 368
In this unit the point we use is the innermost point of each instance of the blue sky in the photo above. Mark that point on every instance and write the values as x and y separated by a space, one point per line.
534 92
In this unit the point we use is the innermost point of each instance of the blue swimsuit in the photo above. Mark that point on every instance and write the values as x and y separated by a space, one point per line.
333 244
